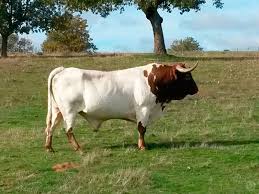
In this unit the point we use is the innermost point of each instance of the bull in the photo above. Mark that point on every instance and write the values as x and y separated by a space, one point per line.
138 94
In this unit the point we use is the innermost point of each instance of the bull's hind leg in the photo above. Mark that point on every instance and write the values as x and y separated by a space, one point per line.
55 120
72 139
70 119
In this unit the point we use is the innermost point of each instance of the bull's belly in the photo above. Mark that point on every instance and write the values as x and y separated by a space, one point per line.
113 109
106 114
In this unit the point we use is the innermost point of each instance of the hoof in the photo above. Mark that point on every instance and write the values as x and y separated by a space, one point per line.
142 148
49 149
80 151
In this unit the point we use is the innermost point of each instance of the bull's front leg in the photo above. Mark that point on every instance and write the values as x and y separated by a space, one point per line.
141 132
142 121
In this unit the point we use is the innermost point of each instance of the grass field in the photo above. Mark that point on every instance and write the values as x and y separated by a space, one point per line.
207 143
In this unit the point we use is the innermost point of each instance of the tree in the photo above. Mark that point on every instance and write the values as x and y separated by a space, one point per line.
22 16
11 43
15 44
149 7
187 44
24 45
68 34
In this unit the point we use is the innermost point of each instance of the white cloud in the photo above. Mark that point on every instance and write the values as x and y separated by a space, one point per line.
222 21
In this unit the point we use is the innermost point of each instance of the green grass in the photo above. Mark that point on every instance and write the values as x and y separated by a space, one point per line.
206 143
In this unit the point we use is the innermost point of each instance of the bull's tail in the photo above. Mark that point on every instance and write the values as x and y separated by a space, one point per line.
50 94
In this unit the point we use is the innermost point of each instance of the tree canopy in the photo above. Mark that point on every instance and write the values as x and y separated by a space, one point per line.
186 44
24 45
104 7
149 7
23 16
69 33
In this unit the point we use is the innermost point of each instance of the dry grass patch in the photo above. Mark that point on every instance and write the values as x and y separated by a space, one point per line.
120 181
94 157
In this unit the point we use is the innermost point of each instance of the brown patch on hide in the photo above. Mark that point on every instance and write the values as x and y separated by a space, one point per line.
145 73
64 166
160 75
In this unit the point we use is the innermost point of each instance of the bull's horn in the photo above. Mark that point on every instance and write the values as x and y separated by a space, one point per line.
186 70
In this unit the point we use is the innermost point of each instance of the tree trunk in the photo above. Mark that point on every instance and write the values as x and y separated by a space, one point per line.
156 21
4 46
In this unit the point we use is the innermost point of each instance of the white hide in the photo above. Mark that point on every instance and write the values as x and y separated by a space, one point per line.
122 94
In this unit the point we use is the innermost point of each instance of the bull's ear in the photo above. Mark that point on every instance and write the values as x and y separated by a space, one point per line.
186 70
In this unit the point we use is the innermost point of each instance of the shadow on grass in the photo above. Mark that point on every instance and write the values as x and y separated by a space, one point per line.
188 144
180 144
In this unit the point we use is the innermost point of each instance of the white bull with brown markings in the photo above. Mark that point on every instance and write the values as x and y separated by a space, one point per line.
138 94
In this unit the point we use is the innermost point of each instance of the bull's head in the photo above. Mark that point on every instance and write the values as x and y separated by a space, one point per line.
184 82
172 82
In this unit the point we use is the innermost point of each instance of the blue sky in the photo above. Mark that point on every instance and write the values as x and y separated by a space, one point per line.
236 26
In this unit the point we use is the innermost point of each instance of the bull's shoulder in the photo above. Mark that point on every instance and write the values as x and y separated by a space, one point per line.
142 93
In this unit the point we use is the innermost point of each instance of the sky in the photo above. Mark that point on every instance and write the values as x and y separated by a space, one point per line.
236 26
